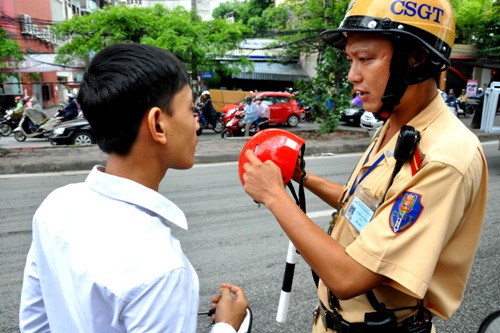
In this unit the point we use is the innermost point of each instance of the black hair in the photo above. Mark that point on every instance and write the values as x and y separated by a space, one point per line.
123 82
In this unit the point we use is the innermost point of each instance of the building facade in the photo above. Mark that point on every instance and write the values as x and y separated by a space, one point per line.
28 22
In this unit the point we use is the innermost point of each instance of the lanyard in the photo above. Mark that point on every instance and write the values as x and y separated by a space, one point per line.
370 169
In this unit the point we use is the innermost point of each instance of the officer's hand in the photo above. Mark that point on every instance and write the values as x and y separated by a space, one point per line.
228 309
297 173
262 180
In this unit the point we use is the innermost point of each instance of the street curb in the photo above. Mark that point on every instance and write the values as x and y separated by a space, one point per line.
63 158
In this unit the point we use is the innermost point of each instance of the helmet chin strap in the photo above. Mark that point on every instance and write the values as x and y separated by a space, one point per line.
397 83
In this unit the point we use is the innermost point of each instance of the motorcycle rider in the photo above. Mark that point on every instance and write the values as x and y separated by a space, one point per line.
35 114
264 112
17 113
451 100
71 109
207 109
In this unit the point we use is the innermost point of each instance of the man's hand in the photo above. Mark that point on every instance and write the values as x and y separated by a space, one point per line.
263 180
228 309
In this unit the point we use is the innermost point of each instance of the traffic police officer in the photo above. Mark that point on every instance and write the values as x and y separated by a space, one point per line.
409 218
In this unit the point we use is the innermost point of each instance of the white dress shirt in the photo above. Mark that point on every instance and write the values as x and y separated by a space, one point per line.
103 259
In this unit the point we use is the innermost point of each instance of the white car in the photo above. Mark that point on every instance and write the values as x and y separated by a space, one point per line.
369 121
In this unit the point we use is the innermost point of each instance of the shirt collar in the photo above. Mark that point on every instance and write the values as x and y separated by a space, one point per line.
126 190
420 122
428 115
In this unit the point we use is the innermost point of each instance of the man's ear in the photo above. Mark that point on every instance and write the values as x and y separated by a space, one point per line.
156 124
418 56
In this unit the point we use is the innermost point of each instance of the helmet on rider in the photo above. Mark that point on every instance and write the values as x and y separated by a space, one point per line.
248 99
426 23
71 96
205 93
281 147
18 98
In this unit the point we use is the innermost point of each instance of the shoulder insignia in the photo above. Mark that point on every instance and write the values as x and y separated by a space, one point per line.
416 161
405 211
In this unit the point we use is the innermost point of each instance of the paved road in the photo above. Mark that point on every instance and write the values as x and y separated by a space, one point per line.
231 239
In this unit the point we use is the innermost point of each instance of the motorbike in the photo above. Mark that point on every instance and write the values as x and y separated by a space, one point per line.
38 118
307 114
235 125
218 123
8 123
246 325
471 106
454 110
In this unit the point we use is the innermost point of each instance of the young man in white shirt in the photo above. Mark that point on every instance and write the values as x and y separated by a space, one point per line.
109 262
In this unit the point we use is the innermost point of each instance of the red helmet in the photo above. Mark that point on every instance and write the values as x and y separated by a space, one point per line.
279 146
18 98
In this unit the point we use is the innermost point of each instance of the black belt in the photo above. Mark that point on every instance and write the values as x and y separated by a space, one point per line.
334 321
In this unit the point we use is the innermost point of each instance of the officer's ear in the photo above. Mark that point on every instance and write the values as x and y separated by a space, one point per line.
418 57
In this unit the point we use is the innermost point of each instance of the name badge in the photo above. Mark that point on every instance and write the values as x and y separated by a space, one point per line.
360 208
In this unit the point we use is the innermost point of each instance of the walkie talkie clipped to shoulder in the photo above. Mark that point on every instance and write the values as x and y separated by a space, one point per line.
406 145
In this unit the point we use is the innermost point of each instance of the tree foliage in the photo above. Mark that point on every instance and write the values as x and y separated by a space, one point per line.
328 93
488 34
197 43
249 12
9 51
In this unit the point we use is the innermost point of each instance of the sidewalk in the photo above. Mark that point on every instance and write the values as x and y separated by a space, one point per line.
71 158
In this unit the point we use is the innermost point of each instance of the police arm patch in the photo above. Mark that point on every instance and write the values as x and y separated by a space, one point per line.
405 211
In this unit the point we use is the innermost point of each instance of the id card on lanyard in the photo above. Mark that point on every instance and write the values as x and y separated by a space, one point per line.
362 204
360 208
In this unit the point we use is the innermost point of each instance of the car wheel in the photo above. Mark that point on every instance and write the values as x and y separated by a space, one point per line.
19 136
82 138
293 120
5 129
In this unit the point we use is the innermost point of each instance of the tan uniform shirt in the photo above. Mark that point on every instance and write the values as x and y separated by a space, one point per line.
424 236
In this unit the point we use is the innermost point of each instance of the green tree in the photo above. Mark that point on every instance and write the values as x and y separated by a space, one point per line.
248 12
328 93
295 25
488 34
197 43
9 51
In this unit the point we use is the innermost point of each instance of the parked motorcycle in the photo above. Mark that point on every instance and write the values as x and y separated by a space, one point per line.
38 119
235 125
307 114
8 123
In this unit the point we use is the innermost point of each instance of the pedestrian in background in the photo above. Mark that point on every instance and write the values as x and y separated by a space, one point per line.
251 114
264 112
